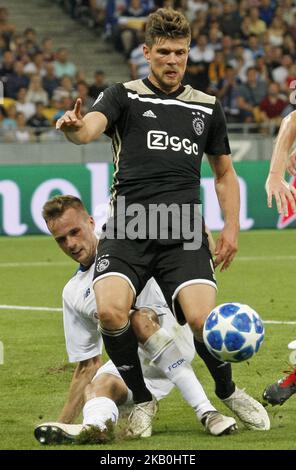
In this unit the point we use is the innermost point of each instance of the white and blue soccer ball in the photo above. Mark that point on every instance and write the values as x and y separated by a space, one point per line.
233 332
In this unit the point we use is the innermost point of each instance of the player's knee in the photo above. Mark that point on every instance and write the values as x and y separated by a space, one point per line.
113 314
106 385
196 325
144 322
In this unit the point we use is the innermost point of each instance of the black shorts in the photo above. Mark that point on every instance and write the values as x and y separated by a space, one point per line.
171 266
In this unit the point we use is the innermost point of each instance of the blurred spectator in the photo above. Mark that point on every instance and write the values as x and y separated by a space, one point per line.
215 36
65 89
281 73
36 92
38 121
230 20
99 84
62 65
139 67
264 72
31 41
63 105
227 92
292 27
36 65
257 26
3 47
266 11
2 117
7 67
216 70
288 45
23 106
50 82
130 26
276 32
254 48
9 122
16 80
22 133
47 50
273 105
195 6
82 92
7 29
250 96
98 13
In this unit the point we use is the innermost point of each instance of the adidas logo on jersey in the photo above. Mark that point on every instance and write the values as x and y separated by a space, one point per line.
149 113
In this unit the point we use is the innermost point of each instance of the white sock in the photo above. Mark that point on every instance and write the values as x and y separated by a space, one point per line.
99 410
164 353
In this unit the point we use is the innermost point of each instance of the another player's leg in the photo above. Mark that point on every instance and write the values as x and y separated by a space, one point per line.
162 350
196 302
280 391
100 414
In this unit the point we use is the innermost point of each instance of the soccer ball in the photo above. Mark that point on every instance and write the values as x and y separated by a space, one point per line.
233 332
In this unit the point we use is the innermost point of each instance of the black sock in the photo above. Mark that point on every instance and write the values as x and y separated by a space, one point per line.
220 371
122 348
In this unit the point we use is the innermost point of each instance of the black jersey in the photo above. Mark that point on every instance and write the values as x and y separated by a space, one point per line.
158 140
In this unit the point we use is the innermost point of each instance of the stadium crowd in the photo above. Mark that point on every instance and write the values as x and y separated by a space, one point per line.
242 51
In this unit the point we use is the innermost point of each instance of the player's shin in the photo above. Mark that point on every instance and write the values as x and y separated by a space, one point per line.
163 351
220 371
122 348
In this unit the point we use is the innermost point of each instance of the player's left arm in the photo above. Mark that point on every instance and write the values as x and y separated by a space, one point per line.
276 186
227 189
83 375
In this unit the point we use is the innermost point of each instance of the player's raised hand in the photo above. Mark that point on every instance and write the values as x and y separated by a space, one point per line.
71 120
226 247
282 192
291 165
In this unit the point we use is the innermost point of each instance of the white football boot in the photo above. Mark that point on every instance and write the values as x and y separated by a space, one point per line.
140 419
217 424
250 412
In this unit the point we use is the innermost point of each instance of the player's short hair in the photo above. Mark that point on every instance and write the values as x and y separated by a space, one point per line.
57 205
166 23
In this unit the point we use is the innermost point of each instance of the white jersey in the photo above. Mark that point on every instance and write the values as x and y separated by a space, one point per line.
83 339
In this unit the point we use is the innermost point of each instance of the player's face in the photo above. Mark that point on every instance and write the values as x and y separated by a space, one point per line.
74 233
167 59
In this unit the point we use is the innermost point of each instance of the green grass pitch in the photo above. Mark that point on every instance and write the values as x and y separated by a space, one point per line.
35 375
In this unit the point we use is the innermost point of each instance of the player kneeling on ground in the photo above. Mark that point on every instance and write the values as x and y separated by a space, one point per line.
102 388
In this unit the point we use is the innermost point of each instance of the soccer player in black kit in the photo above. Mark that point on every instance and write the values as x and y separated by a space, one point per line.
160 130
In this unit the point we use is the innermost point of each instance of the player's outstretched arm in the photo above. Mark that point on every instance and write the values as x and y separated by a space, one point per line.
79 129
276 186
82 376
227 189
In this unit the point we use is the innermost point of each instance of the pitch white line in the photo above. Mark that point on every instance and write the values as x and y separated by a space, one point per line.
33 264
26 307
56 309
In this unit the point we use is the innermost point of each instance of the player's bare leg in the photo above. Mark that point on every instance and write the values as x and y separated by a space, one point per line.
114 297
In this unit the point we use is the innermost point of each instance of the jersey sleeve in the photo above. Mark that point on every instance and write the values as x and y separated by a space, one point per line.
83 340
217 140
111 103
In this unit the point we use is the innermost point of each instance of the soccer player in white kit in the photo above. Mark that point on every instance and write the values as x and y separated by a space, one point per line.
166 348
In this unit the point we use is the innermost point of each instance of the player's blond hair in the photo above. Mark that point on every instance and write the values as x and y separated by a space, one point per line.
166 23
57 205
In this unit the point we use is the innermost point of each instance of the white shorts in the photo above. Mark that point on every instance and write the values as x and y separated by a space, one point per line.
157 383
159 387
